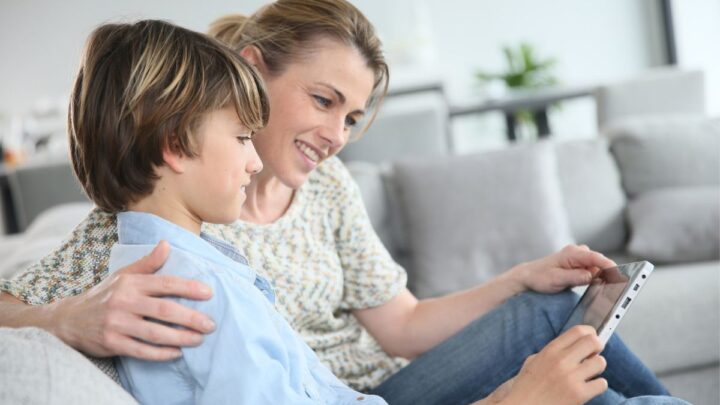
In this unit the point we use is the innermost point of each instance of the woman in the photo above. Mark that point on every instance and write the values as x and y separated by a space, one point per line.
304 226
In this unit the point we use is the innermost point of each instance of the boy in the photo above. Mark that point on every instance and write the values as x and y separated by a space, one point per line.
161 120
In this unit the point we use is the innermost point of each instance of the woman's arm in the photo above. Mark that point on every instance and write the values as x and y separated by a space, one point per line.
105 320
408 327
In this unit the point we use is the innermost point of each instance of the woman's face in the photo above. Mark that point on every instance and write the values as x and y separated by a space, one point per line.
314 104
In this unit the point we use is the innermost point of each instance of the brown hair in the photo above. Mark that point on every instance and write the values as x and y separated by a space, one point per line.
286 30
143 87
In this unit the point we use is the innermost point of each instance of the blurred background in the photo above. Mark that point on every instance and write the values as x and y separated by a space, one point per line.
465 75
429 43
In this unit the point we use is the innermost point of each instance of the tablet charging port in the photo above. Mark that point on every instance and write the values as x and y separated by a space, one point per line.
626 303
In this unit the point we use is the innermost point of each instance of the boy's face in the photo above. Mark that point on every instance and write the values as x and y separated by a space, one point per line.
215 181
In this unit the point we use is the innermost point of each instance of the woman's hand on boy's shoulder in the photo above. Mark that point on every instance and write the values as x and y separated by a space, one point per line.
572 266
111 318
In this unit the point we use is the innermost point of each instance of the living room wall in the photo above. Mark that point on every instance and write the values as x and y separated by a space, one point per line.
41 40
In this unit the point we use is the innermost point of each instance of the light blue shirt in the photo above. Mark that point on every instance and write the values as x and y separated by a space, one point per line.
253 356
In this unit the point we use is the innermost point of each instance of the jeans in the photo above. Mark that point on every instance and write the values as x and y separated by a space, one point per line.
489 351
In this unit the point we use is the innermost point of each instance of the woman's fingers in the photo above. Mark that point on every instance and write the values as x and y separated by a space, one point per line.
156 333
151 263
164 286
127 346
173 313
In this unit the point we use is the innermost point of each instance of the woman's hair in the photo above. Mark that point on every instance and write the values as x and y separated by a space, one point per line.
143 87
285 31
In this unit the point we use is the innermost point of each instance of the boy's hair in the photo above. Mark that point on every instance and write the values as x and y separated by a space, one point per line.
143 87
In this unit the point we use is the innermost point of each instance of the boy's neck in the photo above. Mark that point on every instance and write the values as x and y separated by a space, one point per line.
169 209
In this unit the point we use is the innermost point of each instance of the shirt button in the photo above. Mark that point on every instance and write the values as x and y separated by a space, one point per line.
360 398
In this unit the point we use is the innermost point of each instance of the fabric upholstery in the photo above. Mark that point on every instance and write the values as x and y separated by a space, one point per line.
667 151
37 368
675 323
676 225
593 194
471 217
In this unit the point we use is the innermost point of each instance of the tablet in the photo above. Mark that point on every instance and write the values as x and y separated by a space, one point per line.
608 298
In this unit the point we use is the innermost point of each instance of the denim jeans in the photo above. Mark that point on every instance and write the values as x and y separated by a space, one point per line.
492 349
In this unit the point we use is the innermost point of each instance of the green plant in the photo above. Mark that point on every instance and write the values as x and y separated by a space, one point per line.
524 71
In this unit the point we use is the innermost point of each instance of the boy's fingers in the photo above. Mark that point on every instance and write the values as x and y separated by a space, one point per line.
571 336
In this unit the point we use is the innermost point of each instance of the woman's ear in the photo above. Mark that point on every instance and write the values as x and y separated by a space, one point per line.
252 54
175 161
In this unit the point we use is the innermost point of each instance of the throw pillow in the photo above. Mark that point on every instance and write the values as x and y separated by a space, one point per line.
471 217
667 151
593 194
676 225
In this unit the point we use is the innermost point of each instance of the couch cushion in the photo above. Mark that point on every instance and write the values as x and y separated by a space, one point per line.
592 193
44 234
670 151
471 217
37 368
675 322
676 225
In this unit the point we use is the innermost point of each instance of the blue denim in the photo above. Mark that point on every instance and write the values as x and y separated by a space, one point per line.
489 351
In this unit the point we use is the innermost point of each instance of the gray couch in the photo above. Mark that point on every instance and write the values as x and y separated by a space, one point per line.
646 190
649 190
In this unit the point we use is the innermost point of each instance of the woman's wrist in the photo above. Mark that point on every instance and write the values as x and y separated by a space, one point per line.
52 318
515 278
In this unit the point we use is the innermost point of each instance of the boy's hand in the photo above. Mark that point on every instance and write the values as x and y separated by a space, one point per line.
565 372
108 319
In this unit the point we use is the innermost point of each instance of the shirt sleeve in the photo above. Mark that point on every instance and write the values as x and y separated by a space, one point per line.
371 276
244 361
79 263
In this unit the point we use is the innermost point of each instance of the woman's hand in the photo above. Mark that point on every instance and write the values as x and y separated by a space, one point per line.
565 372
107 319
572 266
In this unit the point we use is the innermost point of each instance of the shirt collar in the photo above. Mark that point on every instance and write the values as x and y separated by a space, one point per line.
141 228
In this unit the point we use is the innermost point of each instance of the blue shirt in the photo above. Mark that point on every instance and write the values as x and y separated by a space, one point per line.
252 357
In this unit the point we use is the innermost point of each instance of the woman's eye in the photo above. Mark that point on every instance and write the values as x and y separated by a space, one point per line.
325 102
350 122
243 139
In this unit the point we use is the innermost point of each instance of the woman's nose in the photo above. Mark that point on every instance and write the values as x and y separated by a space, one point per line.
335 133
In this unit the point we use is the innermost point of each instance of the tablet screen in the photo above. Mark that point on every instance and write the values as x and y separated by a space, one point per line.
596 305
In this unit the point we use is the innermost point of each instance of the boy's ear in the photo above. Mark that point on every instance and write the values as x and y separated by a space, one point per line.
173 160
252 54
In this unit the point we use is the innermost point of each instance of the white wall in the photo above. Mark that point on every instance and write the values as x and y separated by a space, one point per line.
593 41
697 29
41 40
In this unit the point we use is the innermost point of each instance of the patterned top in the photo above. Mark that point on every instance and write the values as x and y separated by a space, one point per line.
322 256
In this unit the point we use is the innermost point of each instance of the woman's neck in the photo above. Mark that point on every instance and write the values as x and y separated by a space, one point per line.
268 199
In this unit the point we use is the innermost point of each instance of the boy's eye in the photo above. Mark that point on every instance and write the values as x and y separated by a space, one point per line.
243 139
325 102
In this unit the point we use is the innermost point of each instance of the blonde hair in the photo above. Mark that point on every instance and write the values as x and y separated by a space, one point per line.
285 31
143 87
